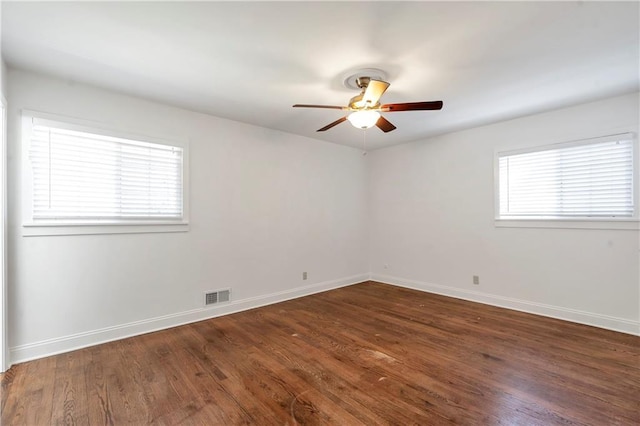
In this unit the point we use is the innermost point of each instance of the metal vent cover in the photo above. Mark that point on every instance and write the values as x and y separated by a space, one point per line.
218 296
224 296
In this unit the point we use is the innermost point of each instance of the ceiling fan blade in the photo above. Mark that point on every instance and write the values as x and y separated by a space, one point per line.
385 125
373 92
318 106
335 123
412 106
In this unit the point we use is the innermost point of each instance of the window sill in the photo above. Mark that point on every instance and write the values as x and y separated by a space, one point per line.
53 229
629 224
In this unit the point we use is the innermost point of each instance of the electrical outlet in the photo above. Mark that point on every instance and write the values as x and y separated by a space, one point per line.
476 280
304 275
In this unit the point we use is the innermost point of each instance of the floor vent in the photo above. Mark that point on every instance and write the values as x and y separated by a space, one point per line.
215 297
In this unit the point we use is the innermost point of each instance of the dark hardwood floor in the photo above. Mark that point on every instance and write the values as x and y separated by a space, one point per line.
366 354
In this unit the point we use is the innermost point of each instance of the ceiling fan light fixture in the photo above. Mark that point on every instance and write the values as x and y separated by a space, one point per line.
364 119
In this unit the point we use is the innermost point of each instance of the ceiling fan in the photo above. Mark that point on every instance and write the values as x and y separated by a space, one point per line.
366 108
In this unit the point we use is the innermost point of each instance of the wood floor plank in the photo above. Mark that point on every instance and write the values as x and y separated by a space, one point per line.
70 390
365 354
33 405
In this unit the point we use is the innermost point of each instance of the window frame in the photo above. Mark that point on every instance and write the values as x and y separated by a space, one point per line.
577 222
83 227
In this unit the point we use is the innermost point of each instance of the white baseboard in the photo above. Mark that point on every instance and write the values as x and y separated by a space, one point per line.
597 320
63 344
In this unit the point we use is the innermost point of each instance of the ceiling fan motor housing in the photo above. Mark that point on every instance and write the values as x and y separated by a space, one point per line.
357 102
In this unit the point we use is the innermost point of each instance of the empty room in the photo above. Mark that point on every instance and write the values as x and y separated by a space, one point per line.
336 213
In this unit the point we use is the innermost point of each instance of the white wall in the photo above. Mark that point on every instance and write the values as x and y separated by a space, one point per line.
264 207
432 224
3 67
3 78
3 87
3 95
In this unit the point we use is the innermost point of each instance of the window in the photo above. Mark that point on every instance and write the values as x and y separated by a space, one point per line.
587 179
84 176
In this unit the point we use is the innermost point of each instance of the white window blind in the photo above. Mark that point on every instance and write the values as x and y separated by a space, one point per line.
83 177
592 178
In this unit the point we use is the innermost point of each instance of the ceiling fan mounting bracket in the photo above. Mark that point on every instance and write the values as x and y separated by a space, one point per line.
359 79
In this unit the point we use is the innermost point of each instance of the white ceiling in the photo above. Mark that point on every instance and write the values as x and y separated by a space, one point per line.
488 61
